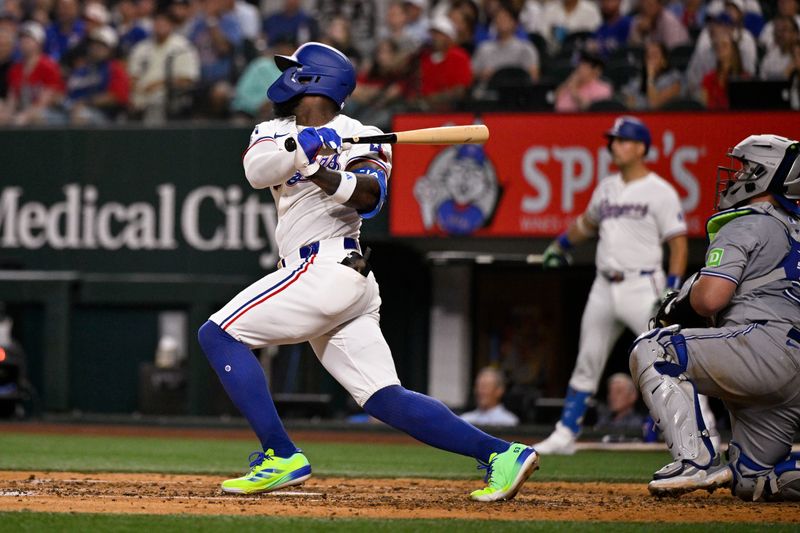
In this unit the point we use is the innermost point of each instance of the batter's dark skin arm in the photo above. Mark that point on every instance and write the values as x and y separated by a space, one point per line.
367 193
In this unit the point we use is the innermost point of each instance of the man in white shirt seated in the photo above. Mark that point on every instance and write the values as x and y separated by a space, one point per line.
489 390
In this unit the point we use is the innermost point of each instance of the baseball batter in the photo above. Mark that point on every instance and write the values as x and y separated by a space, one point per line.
749 290
632 213
324 291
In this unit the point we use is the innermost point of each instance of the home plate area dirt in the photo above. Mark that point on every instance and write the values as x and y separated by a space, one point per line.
327 497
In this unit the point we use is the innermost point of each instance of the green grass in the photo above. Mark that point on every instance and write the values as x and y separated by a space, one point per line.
35 522
21 451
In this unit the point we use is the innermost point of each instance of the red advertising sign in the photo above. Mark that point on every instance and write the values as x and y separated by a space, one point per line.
537 171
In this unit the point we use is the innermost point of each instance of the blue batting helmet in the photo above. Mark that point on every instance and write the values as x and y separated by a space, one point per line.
630 128
314 68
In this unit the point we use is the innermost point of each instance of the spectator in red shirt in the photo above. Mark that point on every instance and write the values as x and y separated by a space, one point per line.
35 86
98 90
445 69
729 65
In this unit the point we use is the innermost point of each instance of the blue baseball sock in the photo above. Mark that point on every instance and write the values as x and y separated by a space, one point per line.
574 409
430 421
244 381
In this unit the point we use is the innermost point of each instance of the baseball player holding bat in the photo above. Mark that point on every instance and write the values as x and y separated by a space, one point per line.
324 291
632 213
749 290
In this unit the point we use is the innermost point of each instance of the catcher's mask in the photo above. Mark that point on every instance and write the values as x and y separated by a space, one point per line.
759 164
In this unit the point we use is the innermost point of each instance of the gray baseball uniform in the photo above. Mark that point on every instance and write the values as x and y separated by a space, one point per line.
752 359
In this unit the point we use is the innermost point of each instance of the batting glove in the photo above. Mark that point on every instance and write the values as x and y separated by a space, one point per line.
557 254
310 141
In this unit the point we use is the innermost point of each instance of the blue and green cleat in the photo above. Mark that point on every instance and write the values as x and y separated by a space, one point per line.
268 473
506 472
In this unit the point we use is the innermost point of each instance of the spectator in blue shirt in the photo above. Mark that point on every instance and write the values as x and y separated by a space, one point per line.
614 31
65 32
131 28
291 24
216 34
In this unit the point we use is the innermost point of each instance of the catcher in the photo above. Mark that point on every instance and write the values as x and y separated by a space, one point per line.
733 332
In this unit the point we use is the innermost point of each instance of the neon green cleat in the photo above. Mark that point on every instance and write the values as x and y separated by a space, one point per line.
506 472
268 473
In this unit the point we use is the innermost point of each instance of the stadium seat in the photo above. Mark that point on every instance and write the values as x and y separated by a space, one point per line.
680 55
611 104
557 70
682 104
509 77
540 43
576 40
620 73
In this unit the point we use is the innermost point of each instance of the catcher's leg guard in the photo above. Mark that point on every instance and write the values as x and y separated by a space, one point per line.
671 396
755 482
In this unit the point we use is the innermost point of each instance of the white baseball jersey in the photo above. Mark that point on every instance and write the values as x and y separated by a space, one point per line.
634 219
313 296
305 213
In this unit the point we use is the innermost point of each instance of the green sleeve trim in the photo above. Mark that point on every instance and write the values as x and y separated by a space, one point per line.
715 223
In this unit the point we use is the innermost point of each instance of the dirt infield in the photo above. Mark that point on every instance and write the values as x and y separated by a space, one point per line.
375 498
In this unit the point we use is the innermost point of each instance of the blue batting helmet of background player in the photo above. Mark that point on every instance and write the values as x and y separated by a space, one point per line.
314 68
630 128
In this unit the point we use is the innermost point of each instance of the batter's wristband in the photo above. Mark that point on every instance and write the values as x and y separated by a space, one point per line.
673 282
347 186
563 242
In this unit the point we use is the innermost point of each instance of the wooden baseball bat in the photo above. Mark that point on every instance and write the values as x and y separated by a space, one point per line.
472 134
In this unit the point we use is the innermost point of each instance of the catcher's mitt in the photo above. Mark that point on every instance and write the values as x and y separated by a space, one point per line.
675 308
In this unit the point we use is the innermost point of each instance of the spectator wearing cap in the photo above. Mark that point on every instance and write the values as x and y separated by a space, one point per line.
66 31
714 92
98 90
164 63
417 22
217 36
655 23
704 58
777 62
583 86
562 17
445 70
131 28
752 19
292 23
35 86
614 31
507 50
786 8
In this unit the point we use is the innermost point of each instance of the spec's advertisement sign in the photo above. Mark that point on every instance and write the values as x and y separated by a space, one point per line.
537 171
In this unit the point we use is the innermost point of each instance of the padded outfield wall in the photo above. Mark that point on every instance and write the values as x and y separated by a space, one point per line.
103 230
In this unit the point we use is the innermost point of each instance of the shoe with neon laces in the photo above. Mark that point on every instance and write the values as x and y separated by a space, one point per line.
506 472
268 473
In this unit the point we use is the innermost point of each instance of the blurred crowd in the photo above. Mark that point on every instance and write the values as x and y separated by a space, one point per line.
151 61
